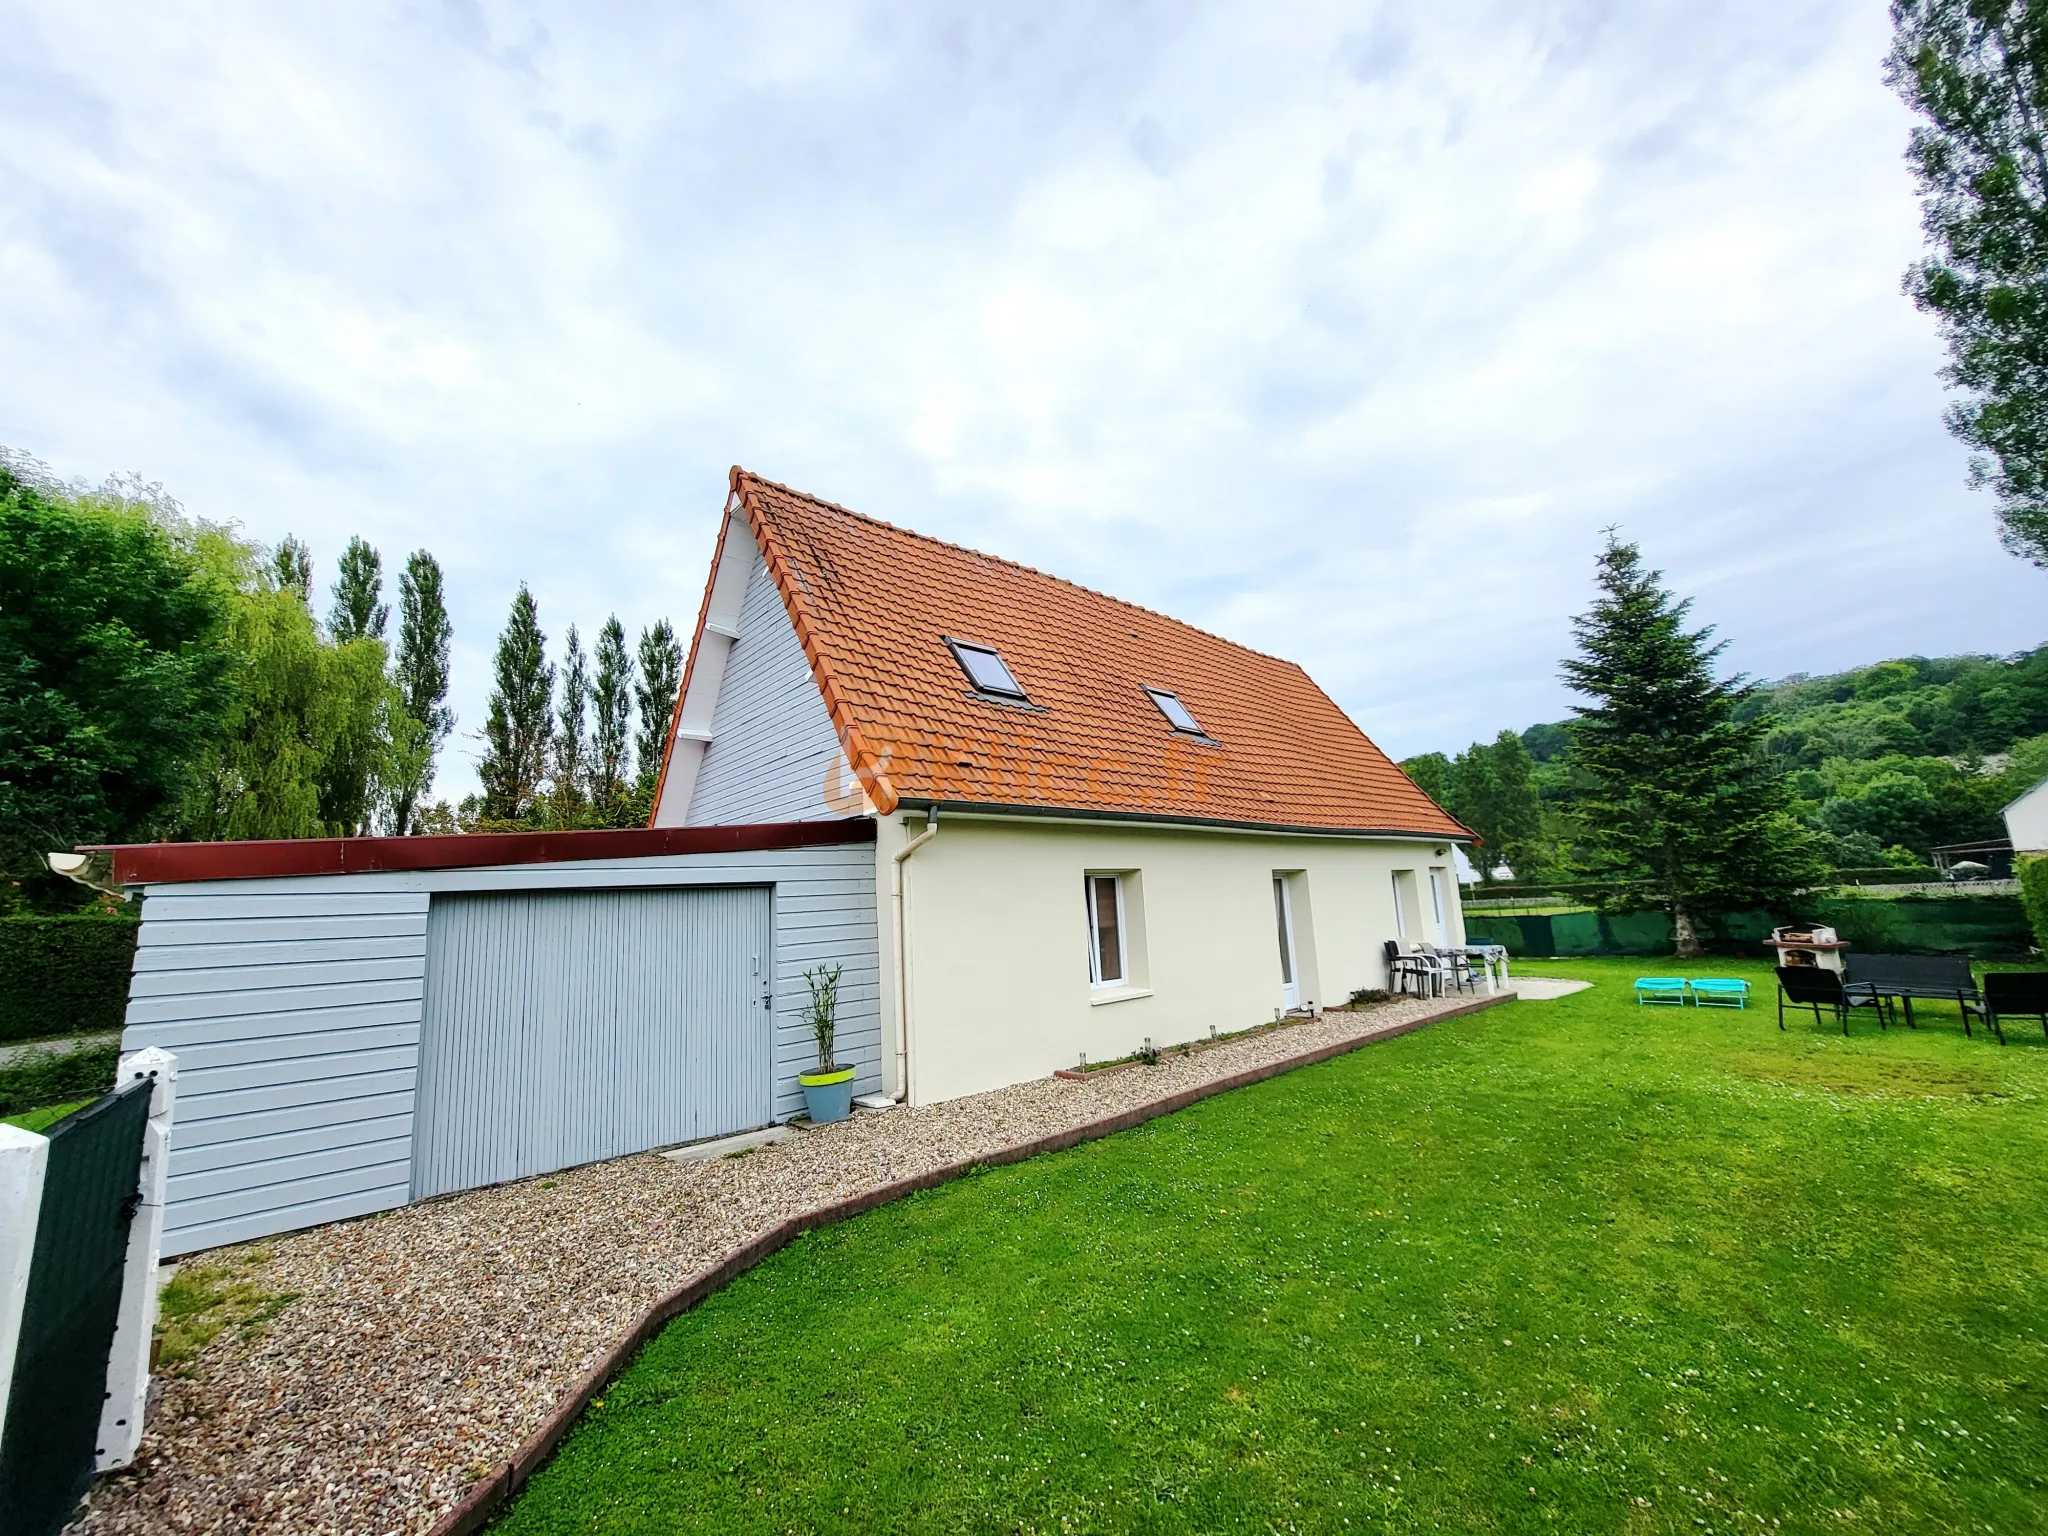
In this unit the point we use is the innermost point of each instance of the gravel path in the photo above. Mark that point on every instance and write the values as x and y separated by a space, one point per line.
57 1045
425 1343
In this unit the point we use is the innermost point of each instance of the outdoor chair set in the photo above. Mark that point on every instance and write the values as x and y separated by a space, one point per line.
1700 991
1882 982
1431 970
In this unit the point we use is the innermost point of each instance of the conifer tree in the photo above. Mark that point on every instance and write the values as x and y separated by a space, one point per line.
520 722
661 674
291 567
1676 808
572 748
611 698
420 671
359 611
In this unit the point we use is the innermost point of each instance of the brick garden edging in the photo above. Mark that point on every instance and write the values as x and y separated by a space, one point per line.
484 1498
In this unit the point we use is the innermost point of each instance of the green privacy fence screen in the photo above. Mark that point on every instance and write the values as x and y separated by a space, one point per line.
1983 926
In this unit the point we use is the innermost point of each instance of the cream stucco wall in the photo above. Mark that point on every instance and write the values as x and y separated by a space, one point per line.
997 958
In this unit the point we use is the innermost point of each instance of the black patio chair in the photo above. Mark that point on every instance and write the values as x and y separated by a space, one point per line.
1809 986
1931 978
2021 992
1404 970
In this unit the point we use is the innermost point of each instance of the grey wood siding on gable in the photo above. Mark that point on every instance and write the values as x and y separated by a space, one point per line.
294 1008
772 742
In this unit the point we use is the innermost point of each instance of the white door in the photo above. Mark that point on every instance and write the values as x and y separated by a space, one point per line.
1283 912
1436 896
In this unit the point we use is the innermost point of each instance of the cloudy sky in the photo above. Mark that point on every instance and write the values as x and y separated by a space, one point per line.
1340 330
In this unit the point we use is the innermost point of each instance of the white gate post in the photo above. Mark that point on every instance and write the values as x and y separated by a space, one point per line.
128 1360
23 1158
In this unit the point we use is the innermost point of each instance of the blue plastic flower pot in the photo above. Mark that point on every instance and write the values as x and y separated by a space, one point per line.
828 1095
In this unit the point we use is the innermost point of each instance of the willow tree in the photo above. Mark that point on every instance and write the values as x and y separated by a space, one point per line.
306 736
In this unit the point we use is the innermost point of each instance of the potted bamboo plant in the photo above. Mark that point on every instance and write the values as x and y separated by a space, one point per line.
828 1092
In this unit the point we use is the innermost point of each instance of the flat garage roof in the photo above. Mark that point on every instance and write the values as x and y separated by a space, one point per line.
171 863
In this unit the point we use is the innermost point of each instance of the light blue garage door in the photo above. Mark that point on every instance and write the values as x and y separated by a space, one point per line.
562 1027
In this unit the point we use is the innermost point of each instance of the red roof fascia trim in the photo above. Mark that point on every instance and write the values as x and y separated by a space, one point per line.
173 863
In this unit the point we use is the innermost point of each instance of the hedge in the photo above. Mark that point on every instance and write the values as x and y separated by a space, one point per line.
2033 875
64 975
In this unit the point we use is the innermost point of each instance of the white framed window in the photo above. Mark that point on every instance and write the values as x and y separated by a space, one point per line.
985 669
1108 932
1436 901
1400 909
1177 714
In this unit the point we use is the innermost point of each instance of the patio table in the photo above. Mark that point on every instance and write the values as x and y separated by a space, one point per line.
1489 957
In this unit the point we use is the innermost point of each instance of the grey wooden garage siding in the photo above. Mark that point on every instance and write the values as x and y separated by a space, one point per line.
293 1005
772 741
561 1027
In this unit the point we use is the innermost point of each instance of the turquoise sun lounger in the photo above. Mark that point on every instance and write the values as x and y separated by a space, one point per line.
1719 992
1660 989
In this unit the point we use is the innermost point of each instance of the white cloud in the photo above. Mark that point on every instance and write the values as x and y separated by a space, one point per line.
1341 330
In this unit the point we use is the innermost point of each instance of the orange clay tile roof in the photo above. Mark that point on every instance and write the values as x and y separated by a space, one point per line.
874 604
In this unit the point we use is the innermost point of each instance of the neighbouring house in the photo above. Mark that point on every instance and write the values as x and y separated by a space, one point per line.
2026 820
1030 822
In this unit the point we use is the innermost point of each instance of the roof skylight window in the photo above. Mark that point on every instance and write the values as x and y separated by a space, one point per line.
985 669
1176 712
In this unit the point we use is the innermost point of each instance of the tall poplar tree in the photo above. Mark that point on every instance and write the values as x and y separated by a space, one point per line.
291 567
1977 72
1677 809
520 722
359 610
572 746
661 674
420 670
611 698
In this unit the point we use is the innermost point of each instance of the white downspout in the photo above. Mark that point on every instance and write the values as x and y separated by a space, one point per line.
931 830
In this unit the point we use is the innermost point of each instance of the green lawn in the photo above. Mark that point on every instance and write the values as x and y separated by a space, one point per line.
1571 1266
40 1120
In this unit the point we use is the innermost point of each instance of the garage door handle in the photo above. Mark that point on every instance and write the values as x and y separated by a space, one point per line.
768 1000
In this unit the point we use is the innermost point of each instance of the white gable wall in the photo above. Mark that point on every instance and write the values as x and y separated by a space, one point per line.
2026 820
772 743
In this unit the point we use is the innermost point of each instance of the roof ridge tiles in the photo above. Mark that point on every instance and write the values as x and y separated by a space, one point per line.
740 472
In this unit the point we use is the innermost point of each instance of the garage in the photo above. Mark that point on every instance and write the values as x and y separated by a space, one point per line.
562 1027
363 1022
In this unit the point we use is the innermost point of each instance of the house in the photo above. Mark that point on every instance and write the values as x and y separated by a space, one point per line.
1028 821
1094 824
2026 821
